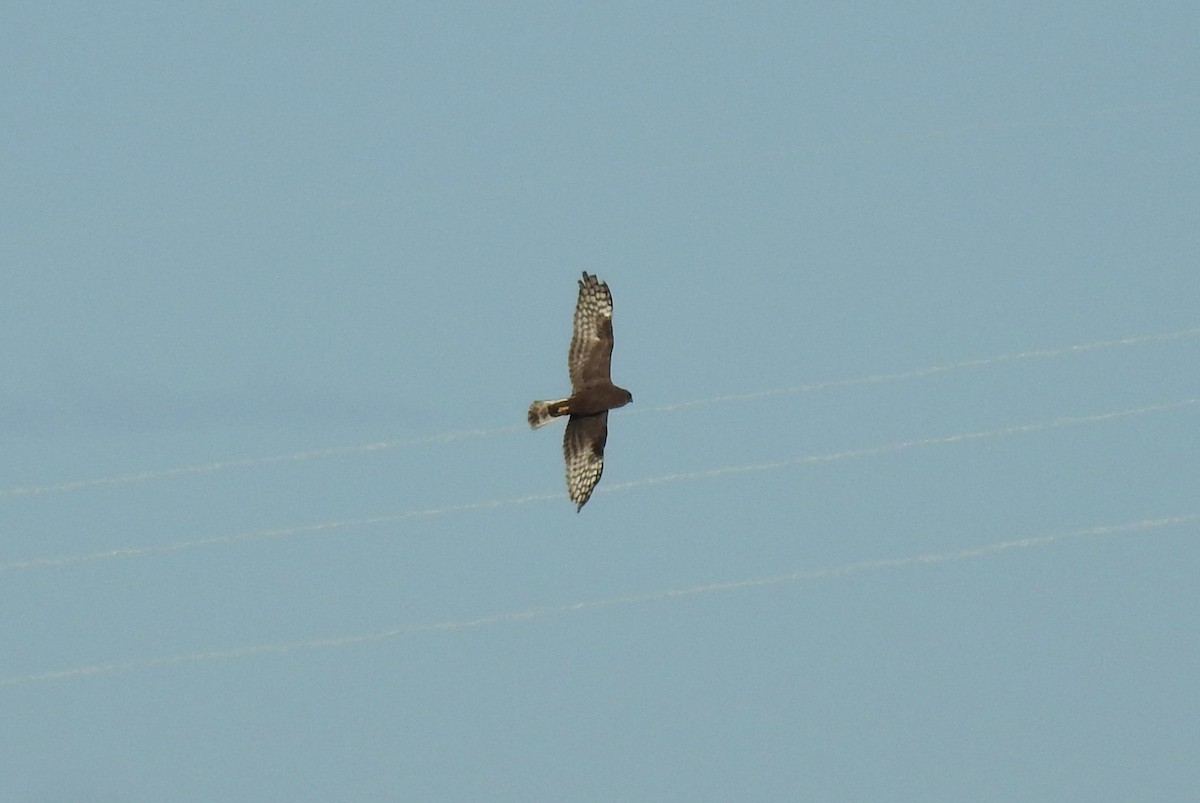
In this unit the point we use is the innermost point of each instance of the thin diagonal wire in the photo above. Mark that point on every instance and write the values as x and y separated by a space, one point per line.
451 437
846 454
803 575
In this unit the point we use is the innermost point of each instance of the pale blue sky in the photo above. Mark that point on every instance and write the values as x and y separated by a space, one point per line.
233 232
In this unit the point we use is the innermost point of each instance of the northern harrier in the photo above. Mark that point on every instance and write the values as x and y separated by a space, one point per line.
592 392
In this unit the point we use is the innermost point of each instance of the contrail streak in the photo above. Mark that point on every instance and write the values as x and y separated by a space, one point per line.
450 437
847 454
803 575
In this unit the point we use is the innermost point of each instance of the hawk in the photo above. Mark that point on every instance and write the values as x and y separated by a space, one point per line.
592 392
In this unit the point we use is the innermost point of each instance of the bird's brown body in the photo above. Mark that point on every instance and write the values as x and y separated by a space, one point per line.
592 392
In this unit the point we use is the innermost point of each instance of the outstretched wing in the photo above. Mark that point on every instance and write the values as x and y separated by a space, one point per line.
583 450
590 355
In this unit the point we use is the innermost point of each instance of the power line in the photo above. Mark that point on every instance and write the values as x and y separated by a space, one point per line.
846 454
450 626
451 437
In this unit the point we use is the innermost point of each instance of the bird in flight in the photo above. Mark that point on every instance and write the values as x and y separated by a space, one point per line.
592 392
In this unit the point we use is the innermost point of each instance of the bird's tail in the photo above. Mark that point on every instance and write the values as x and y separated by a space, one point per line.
540 412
